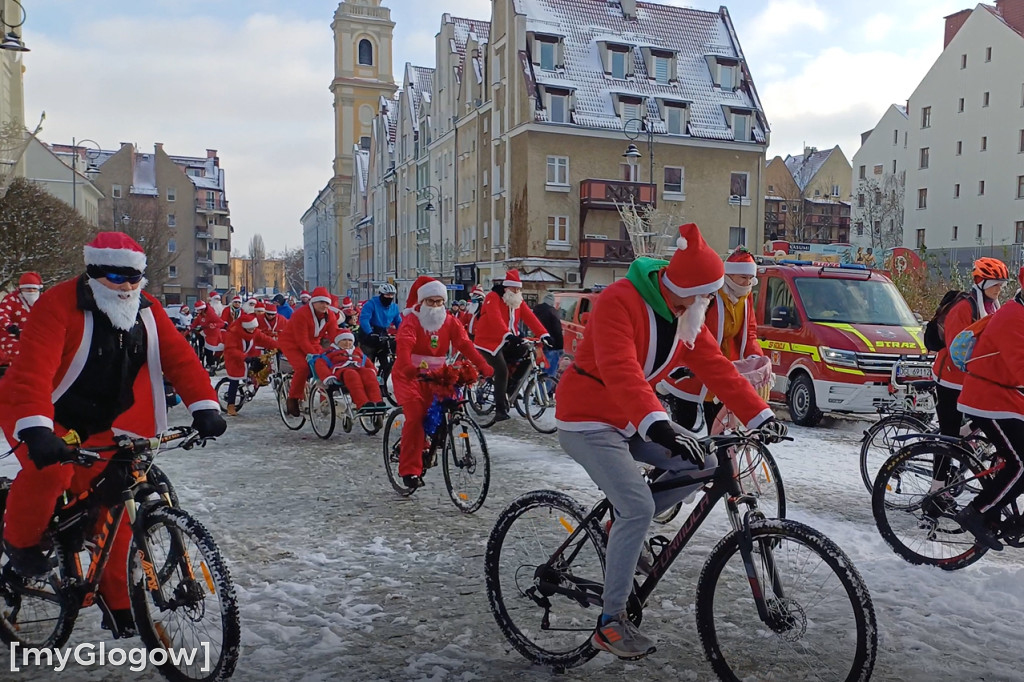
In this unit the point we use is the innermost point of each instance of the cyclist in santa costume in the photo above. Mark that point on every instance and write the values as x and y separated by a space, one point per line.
14 313
308 327
242 345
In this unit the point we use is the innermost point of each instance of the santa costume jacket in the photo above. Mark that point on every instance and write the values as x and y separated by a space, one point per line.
994 383
241 344
13 312
418 350
958 318
304 334
497 322
211 326
630 345
58 344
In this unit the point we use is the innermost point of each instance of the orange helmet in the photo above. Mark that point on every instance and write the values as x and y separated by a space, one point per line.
990 269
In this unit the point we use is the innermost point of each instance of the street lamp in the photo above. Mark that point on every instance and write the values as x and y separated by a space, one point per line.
431 209
91 170
633 129
12 41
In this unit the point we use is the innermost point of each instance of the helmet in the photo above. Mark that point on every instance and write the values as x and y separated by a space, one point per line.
389 289
990 269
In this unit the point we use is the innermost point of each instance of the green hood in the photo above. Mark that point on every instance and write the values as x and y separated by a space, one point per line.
643 273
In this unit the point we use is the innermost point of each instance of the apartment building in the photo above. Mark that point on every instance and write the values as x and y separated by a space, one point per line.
879 183
961 160
541 123
807 197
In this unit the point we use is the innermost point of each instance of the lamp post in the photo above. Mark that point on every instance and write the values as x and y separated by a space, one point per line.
91 170
633 129
12 41
434 191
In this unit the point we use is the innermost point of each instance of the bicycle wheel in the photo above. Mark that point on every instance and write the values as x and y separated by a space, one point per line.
466 464
387 391
372 423
879 443
902 492
481 402
669 514
293 423
820 622
222 395
523 566
759 476
322 414
34 613
392 446
196 608
540 404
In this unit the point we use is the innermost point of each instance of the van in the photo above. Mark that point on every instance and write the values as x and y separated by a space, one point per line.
574 308
837 337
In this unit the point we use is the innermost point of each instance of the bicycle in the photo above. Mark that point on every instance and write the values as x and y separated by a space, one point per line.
384 368
533 395
247 387
322 408
281 380
762 590
902 494
180 589
464 458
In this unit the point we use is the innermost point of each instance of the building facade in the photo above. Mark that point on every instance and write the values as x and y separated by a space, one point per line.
879 183
264 277
807 197
72 186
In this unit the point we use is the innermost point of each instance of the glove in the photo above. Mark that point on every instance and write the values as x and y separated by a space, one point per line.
44 446
486 371
14 331
209 423
546 340
680 373
678 440
773 431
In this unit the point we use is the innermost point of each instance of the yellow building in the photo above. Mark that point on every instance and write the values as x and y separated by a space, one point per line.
267 276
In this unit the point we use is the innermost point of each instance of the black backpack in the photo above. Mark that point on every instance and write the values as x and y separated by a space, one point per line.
934 331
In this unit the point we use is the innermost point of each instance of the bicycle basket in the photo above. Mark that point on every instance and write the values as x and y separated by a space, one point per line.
757 370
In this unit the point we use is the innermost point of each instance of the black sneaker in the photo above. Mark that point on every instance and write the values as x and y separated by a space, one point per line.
972 521
123 625
412 482
501 417
937 506
381 405
29 562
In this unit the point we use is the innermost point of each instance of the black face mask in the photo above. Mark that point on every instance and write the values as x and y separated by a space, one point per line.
386 300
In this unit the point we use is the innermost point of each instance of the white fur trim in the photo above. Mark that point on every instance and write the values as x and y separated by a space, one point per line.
156 372
118 258
29 422
514 283
317 299
647 421
681 243
709 288
78 361
344 335
761 417
250 325
203 405
432 288
740 268
34 287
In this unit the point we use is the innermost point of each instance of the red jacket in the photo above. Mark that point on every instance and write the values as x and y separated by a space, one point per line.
497 322
211 326
417 349
617 355
993 385
55 345
229 314
13 312
464 319
958 318
339 357
304 333
743 345
240 344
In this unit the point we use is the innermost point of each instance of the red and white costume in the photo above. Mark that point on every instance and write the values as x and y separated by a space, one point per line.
497 322
231 313
349 366
211 326
994 384
242 341
14 311
304 335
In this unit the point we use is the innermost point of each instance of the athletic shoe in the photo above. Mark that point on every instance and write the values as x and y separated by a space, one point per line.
412 482
972 521
29 562
620 637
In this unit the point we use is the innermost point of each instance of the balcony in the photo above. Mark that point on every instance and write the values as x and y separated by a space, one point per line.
220 257
203 258
605 252
811 220
221 231
201 232
211 206
604 194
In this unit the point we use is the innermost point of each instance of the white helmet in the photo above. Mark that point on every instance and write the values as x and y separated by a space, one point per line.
387 289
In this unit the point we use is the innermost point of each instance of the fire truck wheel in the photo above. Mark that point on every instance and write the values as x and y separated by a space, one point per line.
803 406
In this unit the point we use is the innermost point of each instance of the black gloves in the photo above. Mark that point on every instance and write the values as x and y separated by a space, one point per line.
209 423
14 331
680 373
773 431
44 446
546 340
678 440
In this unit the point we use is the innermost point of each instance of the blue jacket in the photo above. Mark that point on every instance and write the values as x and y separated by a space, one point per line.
374 314
285 311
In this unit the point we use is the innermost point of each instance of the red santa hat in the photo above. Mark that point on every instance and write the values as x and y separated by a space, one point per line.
236 298
695 268
249 321
30 280
260 305
477 291
116 250
425 287
213 295
740 262
512 279
346 302
319 294
344 335
199 306
270 308
306 294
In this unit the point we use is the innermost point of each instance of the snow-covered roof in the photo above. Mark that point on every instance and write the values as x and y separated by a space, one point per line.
420 85
803 167
695 36
463 29
144 175
825 200
362 162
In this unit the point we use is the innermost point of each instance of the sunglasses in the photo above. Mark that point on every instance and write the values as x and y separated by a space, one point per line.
115 278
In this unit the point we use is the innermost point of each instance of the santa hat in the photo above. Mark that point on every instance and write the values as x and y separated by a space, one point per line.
695 268
319 294
260 305
116 250
306 294
346 302
213 295
30 280
477 291
249 321
740 262
236 299
425 287
270 308
344 335
512 279
199 306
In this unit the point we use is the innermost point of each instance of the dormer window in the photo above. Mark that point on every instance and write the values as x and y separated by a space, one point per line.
661 64
547 52
558 104
631 108
547 56
616 58
726 72
739 120
675 119
661 69
618 63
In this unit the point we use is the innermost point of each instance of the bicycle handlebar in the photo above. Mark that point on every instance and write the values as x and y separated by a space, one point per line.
728 440
130 447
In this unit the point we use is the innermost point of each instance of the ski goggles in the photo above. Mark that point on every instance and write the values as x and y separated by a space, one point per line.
117 278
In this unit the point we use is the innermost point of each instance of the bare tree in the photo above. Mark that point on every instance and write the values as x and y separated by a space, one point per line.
878 210
294 272
257 254
652 231
791 210
141 218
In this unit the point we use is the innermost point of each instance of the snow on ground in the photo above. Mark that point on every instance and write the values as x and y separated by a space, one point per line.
340 579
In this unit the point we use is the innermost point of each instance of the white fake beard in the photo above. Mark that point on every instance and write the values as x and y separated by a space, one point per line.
249 308
513 298
431 318
30 296
735 291
689 324
120 307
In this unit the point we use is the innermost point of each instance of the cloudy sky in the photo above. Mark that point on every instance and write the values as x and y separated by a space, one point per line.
250 78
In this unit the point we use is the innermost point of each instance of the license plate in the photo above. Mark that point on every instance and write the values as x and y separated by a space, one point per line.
911 371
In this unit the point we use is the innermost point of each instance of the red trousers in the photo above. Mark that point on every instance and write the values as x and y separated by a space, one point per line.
361 382
414 398
300 372
31 501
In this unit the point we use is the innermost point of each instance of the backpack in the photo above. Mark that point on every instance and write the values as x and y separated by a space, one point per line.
934 330
962 348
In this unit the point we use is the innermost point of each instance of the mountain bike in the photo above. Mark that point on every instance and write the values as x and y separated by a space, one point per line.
913 412
384 368
281 380
323 403
464 459
775 598
533 395
181 593
247 387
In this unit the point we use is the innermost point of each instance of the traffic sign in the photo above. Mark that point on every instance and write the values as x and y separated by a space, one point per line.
454 287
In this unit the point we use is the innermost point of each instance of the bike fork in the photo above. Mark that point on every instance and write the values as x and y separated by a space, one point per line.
767 560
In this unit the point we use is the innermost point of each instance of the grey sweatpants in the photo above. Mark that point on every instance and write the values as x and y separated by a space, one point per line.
610 458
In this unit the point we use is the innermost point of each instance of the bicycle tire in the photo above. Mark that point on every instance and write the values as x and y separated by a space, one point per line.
900 491
537 398
321 411
887 427
222 395
392 444
281 390
739 662
156 476
467 469
517 615
480 399
387 393
760 477
669 514
18 595
205 570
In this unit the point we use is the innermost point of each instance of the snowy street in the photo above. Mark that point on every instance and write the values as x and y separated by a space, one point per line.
340 579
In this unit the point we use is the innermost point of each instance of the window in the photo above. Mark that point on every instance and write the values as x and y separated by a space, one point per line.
980 232
988 54
558 230
737 237
923 162
779 296
860 228
896 137
365 53
959 147
115 191
960 105
1020 186
862 172
547 55
771 189
172 245
676 120
981 187
661 67
860 201
984 143
894 166
558 109
485 230
922 198
984 99
956 230
727 77
485 178
630 110
618 60
920 238
785 207
364 142
558 170
172 272
1020 143
835 190
817 192
963 61
195 172
878 197
171 220
926 117
741 126
738 185
674 180
172 194
956 191
877 170
1018 234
